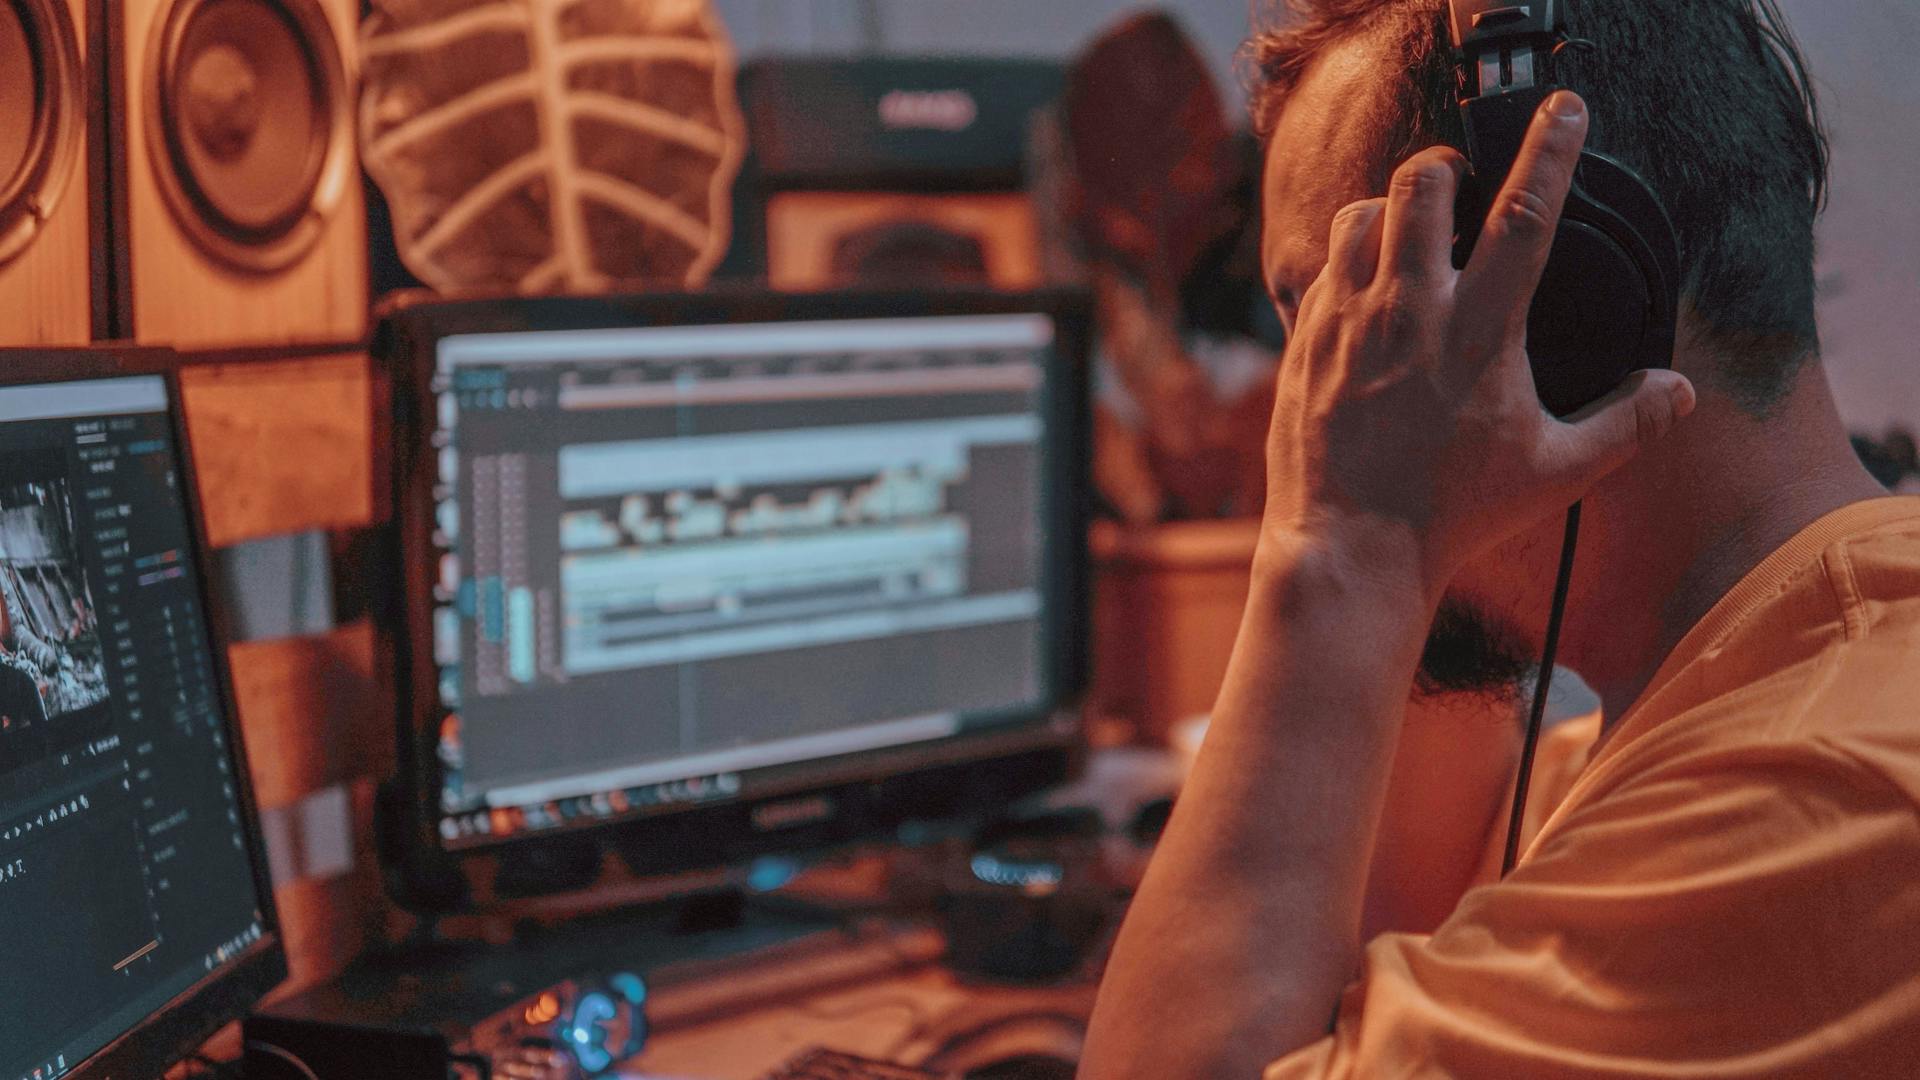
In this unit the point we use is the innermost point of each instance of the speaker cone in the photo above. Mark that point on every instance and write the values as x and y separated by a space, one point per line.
250 104
42 106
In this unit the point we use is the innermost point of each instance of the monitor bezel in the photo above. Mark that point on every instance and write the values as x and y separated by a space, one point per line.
185 1022
1038 749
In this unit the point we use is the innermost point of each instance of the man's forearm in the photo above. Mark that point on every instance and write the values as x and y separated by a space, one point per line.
1247 925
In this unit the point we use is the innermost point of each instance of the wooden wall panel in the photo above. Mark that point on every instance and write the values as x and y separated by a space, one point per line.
327 922
286 445
316 712
282 446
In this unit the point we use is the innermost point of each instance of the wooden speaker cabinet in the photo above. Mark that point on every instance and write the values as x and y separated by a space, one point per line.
239 218
44 232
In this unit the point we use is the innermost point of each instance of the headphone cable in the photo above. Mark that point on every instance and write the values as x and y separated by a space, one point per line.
1538 710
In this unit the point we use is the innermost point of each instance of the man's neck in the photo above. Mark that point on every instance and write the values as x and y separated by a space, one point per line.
1680 528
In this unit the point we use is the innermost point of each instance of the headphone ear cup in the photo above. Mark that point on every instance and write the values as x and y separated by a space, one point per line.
1583 325
1608 301
1587 315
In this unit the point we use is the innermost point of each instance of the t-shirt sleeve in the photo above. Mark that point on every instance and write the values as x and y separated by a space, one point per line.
1752 912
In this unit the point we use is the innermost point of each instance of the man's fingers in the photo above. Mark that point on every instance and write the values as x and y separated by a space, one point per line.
1608 433
1353 247
1417 240
1504 272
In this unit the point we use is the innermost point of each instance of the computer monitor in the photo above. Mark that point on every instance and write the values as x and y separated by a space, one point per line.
737 572
135 918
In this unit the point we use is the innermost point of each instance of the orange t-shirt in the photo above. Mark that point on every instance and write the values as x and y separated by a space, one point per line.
1731 887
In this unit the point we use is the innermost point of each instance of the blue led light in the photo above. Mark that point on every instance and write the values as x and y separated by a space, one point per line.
1028 874
631 986
588 1034
770 873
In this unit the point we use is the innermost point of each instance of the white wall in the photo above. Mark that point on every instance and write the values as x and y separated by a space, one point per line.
1864 54
1865 60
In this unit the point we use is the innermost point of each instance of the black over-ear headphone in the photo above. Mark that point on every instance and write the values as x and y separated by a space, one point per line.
1608 302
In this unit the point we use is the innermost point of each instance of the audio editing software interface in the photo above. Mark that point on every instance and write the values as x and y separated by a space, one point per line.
124 874
674 556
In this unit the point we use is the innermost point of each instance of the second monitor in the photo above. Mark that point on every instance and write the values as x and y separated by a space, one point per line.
683 553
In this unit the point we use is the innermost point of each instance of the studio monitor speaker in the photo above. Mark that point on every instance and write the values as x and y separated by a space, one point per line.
239 215
44 234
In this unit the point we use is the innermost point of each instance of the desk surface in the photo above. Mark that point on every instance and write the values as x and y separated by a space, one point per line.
914 1017
736 1003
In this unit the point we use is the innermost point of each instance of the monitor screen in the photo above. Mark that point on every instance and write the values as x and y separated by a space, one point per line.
126 872
677 563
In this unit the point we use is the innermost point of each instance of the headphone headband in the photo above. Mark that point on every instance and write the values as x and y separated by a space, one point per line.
1608 298
1504 53
1480 24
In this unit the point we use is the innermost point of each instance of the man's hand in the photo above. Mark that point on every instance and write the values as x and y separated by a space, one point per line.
1407 436
1407 417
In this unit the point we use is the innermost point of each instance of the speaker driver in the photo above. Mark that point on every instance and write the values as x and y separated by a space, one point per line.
250 101
42 110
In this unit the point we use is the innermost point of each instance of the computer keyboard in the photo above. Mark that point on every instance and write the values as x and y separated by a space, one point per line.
821 1064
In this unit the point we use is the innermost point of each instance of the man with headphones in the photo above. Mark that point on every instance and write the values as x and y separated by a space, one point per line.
1564 311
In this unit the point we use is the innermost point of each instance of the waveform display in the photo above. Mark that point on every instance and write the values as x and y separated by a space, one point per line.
797 456
644 520
693 549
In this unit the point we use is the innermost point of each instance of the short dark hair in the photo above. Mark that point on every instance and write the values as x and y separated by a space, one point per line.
1709 100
